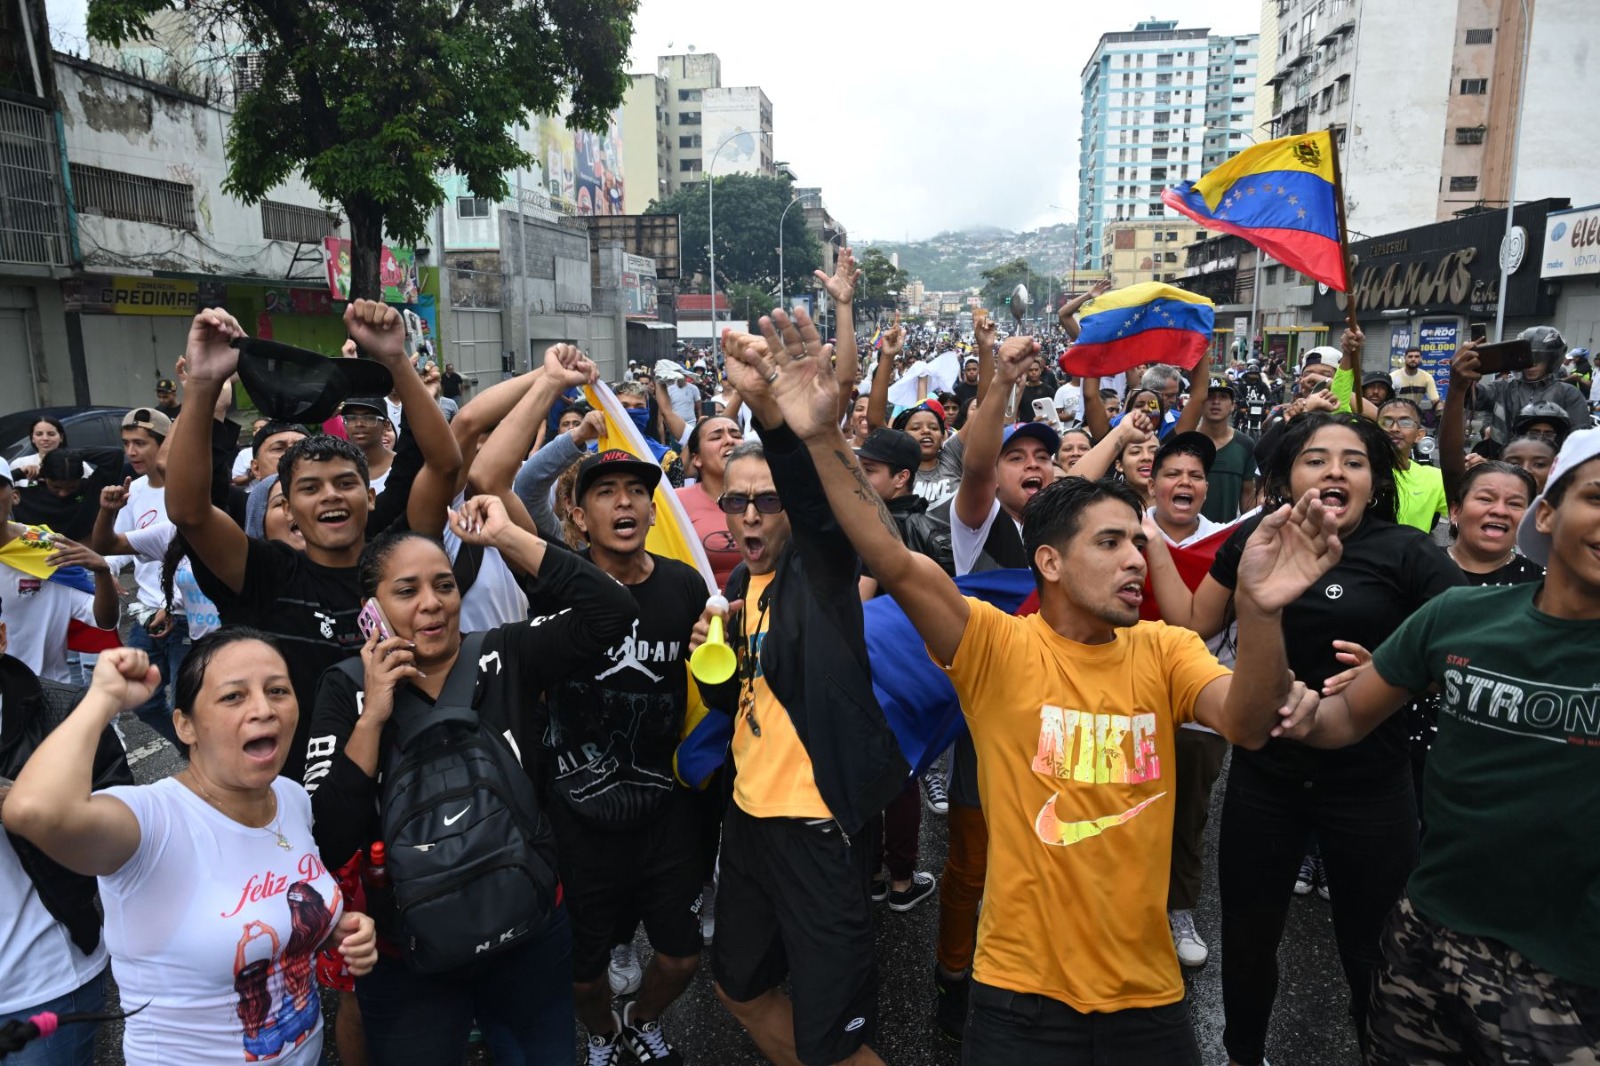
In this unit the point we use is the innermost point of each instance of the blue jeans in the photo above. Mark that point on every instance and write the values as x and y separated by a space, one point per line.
167 653
522 1002
72 1044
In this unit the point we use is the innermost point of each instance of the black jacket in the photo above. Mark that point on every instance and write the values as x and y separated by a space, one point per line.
815 653
32 709
922 532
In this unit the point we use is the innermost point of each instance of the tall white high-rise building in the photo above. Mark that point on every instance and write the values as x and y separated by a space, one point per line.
1160 105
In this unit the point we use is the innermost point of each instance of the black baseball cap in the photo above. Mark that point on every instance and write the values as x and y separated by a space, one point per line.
1193 443
894 448
1221 385
374 403
615 461
292 384
166 385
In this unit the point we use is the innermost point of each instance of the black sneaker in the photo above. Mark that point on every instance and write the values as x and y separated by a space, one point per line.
604 1050
950 1009
880 887
647 1042
934 793
921 887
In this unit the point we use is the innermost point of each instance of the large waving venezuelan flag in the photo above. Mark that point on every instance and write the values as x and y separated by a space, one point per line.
1282 197
1144 323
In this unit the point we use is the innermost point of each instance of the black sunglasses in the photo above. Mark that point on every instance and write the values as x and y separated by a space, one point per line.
738 502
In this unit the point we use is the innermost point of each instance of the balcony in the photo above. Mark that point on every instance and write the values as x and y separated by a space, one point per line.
33 203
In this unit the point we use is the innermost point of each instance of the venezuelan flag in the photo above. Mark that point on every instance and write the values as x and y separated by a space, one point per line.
673 534
1144 323
1282 197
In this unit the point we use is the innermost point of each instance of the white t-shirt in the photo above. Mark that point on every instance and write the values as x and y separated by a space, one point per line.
966 542
495 599
37 613
187 597
146 507
217 927
37 956
685 400
1069 401
32 459
241 462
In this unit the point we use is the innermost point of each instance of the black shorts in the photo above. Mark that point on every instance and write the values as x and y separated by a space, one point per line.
1005 1027
613 879
794 899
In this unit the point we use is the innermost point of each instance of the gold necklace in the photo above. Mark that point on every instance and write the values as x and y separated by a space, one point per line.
276 831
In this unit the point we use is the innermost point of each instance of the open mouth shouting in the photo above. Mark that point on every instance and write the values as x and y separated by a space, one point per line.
1132 594
626 527
755 549
262 749
1493 529
1032 484
1335 501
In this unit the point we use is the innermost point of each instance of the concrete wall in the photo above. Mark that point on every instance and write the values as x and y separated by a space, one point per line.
1553 156
548 297
644 149
1392 160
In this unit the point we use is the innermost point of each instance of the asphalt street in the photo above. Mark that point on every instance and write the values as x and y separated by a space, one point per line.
1310 1024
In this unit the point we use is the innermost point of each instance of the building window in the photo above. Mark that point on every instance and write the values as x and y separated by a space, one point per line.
1164 61
1158 174
1156 211
1464 183
1241 62
688 118
1159 136
1474 86
1161 118
1480 36
688 94
291 222
472 207
1238 81
132 197
1343 85
1157 237
689 165
1469 134
1158 154
690 141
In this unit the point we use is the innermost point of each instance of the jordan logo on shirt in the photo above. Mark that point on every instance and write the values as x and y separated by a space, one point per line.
633 653
1087 748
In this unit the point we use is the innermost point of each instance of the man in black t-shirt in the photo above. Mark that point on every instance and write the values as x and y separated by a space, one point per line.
450 383
626 832
309 600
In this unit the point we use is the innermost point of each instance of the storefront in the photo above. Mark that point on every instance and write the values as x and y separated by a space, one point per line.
1572 261
1427 287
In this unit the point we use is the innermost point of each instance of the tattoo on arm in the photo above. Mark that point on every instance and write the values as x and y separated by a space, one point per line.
866 494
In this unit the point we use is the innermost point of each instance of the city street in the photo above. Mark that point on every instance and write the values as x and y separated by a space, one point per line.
1309 1025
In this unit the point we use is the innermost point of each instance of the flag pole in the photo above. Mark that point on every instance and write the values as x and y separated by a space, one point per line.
1344 236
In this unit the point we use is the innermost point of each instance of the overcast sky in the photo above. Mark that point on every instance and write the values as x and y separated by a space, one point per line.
913 118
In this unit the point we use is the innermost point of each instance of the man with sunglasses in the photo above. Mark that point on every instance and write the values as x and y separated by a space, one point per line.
1420 486
364 418
815 756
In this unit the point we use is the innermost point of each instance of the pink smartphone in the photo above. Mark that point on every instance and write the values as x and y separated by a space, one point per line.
371 620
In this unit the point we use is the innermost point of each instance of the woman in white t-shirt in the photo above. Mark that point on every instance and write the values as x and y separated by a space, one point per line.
215 898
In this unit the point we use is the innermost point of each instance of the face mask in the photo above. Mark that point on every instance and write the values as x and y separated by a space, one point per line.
640 416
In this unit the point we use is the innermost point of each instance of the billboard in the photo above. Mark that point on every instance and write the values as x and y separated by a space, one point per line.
639 287
1438 338
732 116
1571 243
599 178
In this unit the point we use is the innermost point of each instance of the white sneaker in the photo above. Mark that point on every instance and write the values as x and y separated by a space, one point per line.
708 912
624 973
1192 950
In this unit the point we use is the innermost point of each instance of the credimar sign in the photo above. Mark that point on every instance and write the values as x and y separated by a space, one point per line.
1571 243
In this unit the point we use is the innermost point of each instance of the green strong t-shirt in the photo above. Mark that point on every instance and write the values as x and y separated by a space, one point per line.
1512 792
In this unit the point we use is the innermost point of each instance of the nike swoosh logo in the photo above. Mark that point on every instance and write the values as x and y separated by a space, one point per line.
453 819
1065 834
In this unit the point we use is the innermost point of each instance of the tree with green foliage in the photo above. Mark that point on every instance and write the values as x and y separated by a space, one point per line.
370 102
883 283
999 282
748 208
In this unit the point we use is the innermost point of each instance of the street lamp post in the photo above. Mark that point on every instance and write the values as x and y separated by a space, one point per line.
1511 185
711 217
781 217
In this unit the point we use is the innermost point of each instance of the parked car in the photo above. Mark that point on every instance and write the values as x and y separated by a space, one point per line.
87 427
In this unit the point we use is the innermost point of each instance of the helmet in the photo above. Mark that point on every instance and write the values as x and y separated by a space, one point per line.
1544 411
1546 342
1578 353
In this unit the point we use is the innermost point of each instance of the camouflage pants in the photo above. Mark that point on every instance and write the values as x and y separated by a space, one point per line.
1446 999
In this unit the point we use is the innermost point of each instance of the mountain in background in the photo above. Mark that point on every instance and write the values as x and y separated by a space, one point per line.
956 260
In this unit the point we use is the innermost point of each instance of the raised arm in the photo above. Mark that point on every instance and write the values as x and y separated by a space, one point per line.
878 399
503 454
1289 550
1350 342
1344 719
214 538
982 435
672 423
1453 420
984 332
379 331
1095 416
1199 382
1067 316
53 805
1100 459
803 389
842 287
479 416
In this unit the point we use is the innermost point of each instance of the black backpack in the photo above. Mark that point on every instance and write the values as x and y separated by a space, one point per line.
468 851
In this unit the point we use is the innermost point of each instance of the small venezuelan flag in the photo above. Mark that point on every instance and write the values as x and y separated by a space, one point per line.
1144 323
1282 197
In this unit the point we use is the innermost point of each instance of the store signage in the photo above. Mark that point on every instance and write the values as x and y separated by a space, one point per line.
1572 243
132 295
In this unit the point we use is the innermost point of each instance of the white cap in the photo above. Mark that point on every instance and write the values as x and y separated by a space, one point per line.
1579 448
5 471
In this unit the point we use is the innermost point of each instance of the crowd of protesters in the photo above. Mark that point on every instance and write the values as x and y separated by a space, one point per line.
432 687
